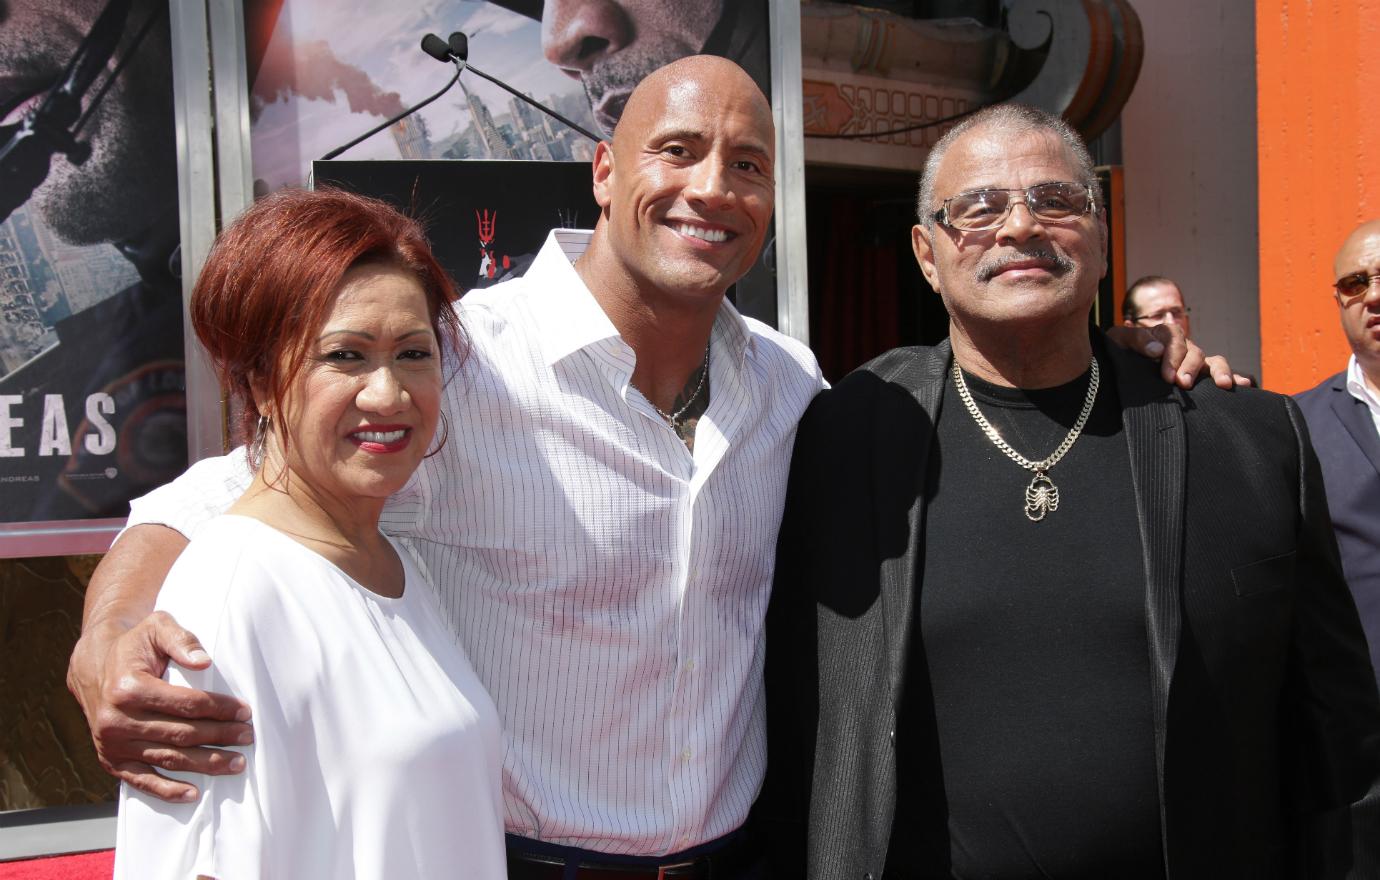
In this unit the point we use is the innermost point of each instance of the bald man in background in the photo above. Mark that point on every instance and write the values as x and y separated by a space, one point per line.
1343 414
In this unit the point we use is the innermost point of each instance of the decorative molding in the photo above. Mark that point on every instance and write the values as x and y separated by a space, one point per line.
868 72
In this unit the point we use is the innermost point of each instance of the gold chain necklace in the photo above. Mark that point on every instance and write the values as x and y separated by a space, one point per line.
1041 496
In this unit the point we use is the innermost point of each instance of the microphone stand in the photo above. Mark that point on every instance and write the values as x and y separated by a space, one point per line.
456 50
542 107
459 69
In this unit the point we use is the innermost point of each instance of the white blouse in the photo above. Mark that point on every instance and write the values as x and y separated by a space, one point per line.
377 751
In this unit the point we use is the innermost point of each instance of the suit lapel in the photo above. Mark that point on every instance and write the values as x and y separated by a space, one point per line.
1355 417
923 377
1155 437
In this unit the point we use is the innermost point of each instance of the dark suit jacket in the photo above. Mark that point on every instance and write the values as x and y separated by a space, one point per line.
1348 448
1267 720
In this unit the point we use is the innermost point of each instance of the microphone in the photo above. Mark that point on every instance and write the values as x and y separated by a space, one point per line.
435 47
457 47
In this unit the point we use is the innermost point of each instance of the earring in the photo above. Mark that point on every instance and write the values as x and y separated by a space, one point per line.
256 446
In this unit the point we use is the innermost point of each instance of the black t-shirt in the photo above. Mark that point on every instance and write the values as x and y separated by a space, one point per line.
1031 667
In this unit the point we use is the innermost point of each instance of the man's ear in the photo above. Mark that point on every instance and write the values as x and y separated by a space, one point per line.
922 242
603 174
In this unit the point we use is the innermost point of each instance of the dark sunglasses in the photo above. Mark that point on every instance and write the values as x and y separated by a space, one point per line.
1355 284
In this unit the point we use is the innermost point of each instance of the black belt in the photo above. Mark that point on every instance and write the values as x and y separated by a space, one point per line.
728 862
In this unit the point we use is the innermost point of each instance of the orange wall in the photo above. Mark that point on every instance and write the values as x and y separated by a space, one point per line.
1318 81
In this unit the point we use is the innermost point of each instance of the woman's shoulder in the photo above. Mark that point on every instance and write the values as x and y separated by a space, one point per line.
231 569
226 547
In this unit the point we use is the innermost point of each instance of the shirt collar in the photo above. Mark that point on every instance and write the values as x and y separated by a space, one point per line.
731 333
1356 385
570 318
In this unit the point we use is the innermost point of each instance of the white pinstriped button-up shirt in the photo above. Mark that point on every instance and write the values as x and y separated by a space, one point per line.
608 585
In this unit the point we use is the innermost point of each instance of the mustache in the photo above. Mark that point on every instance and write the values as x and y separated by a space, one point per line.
994 266
619 74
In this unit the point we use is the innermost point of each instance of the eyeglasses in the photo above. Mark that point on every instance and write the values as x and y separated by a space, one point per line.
1056 202
1355 284
1159 317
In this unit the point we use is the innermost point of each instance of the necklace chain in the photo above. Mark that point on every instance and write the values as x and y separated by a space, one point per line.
673 419
1041 496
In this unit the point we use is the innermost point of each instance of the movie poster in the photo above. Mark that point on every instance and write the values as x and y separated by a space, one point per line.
324 71
92 403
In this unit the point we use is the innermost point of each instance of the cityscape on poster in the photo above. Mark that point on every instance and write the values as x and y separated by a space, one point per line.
92 402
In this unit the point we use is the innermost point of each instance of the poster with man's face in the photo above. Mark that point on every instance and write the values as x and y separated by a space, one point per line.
324 71
92 405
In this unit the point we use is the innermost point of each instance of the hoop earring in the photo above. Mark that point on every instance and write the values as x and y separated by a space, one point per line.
439 443
256 446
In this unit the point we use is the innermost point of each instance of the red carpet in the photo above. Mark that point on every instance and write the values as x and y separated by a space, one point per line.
87 866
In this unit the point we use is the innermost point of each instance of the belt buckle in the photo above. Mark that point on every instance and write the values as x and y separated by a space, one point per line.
662 869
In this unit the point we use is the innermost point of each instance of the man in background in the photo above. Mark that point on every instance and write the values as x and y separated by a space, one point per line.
1155 300
1343 414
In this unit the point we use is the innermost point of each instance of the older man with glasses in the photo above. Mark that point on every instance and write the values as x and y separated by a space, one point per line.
1037 613
1343 414
1155 300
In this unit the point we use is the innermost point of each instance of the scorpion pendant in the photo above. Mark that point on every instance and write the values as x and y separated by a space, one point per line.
1041 497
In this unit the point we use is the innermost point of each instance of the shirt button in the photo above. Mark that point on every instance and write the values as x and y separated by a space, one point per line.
689 665
685 755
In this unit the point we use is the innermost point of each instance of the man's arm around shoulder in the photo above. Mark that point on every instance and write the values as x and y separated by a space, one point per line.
138 721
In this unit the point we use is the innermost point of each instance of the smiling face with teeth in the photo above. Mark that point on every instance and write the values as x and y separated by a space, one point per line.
687 186
363 408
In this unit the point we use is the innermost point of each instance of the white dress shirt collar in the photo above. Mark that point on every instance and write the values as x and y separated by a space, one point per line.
1356 385
573 323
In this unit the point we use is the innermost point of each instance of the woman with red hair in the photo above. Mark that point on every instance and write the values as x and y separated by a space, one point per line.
376 750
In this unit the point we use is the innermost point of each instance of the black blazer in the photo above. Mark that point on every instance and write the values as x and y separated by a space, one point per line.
1267 720
1348 448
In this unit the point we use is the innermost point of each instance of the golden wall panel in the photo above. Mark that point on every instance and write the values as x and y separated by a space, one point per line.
46 756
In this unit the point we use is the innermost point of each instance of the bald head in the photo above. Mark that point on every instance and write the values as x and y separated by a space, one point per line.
1365 237
697 82
1357 290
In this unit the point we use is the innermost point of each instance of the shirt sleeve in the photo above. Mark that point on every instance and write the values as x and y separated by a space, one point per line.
219 834
203 492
